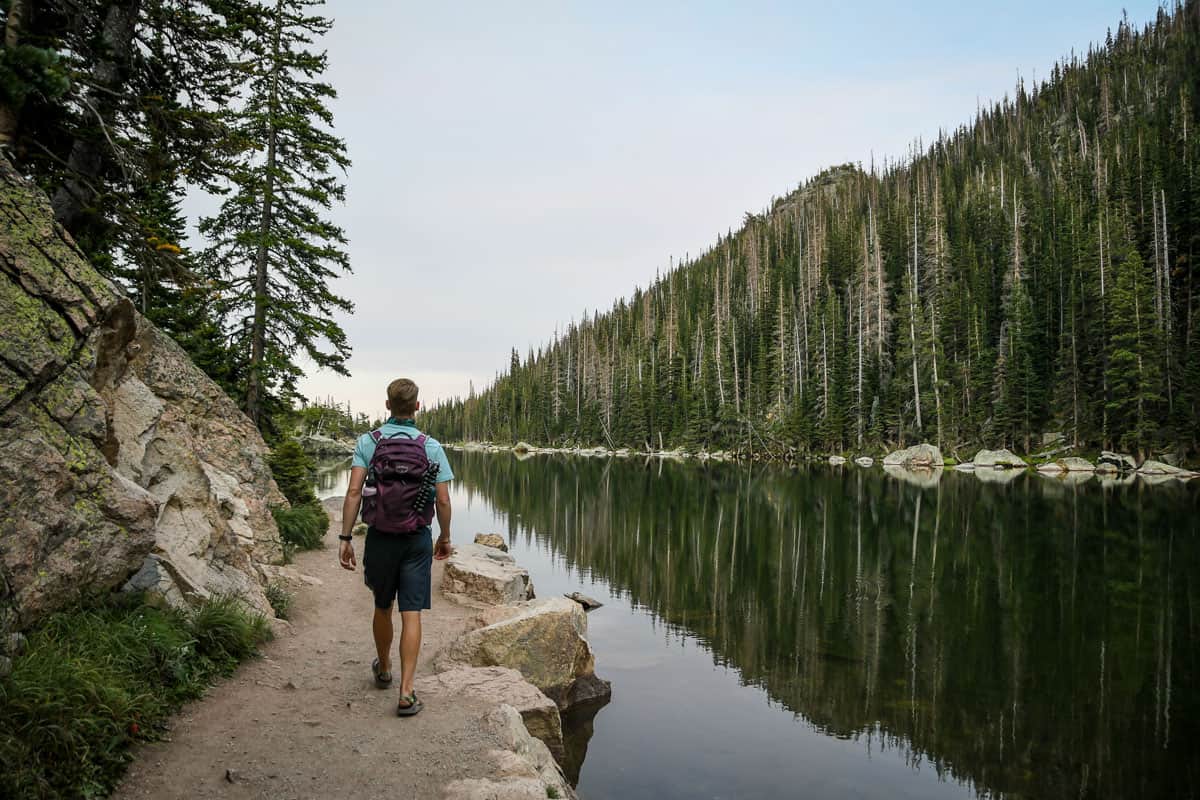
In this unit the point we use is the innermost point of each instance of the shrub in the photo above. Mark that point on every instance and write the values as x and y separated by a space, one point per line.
301 527
93 681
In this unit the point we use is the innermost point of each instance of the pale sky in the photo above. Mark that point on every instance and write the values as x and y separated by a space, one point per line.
516 163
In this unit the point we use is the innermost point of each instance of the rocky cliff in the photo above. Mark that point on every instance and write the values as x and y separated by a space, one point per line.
121 463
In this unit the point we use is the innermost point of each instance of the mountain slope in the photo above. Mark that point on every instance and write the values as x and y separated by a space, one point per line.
1033 270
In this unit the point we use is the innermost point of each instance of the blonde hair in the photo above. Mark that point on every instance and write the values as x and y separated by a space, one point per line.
402 396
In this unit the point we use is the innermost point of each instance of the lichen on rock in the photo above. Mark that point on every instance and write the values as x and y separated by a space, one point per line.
119 458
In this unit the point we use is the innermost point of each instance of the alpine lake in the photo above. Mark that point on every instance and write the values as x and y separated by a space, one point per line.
839 632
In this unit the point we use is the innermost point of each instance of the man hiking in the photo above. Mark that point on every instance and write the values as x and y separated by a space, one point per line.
399 476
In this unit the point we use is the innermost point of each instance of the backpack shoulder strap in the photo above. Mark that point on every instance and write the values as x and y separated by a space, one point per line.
376 435
421 439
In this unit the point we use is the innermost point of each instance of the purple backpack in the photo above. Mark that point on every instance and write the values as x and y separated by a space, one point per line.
400 484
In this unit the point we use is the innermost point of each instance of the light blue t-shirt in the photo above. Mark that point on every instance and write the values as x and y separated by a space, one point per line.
364 451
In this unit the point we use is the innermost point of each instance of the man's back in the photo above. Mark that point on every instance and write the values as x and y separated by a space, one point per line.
364 450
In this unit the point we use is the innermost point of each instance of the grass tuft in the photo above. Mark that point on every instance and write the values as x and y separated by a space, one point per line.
93 681
280 599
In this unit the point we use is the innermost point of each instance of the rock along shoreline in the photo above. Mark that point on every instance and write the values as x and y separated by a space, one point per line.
923 460
528 657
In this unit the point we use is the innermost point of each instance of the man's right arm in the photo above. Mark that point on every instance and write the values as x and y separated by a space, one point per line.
350 507
442 504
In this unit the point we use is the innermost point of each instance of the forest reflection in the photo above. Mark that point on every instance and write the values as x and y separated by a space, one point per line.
1035 638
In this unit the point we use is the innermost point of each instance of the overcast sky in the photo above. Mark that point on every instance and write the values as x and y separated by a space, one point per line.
516 163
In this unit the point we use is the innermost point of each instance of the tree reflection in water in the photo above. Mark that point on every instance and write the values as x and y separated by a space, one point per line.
1034 637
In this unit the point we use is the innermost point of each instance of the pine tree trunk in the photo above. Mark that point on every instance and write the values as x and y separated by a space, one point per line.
258 330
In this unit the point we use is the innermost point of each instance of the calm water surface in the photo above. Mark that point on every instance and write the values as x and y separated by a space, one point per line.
834 633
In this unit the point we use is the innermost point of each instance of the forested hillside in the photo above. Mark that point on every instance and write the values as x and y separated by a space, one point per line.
1034 270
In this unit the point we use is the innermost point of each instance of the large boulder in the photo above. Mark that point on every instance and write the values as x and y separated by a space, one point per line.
999 459
919 456
1069 464
864 461
546 641
1150 467
501 685
485 575
1121 462
117 455
523 769
837 461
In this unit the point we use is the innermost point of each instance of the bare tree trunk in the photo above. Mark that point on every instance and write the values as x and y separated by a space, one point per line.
912 324
1167 321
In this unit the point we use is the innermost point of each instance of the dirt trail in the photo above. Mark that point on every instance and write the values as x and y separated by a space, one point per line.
305 721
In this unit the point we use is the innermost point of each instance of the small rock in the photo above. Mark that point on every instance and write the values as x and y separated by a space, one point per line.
864 461
837 461
491 540
291 685
231 775
588 603
16 644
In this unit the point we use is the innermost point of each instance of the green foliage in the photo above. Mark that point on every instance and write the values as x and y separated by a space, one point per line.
967 295
92 682
301 527
280 599
293 470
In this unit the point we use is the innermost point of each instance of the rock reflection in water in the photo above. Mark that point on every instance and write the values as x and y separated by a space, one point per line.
578 726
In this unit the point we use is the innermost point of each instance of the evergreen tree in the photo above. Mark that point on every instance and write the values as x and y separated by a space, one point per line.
271 244
1133 373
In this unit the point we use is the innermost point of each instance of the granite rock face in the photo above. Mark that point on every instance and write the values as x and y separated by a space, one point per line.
119 458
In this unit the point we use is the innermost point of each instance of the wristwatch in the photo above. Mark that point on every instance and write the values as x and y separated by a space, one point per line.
345 538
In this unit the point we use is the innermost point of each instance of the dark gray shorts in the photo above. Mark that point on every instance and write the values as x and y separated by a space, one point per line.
397 568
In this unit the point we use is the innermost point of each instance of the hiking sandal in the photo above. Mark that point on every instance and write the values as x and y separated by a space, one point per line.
383 680
414 705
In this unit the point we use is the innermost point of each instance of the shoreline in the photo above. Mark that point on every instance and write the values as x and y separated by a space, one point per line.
1047 463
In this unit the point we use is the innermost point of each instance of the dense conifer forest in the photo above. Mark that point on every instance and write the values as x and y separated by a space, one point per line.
1034 270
